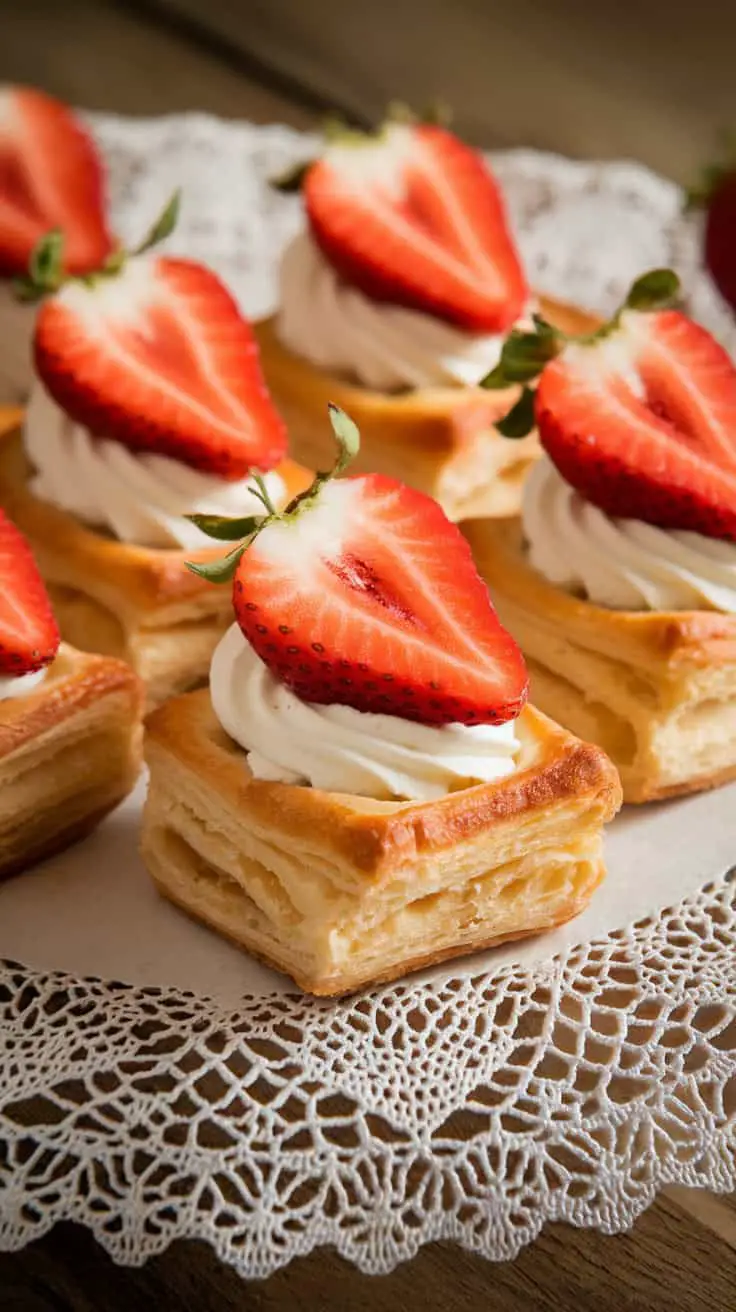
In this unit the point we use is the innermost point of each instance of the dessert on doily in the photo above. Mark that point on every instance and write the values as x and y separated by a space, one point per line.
70 724
363 790
51 177
619 579
148 402
394 302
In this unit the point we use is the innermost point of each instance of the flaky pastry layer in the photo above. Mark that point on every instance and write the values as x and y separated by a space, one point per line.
340 891
70 750
440 440
655 689
137 603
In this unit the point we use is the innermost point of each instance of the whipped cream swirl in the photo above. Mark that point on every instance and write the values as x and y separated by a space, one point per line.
385 347
138 498
622 563
19 685
342 750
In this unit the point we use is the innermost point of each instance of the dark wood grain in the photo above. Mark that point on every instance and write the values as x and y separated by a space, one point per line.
669 1262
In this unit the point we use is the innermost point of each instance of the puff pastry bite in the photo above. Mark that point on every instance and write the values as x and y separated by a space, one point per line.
149 403
619 580
52 178
393 304
70 723
362 790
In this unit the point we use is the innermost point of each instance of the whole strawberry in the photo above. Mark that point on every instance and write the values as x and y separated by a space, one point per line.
716 194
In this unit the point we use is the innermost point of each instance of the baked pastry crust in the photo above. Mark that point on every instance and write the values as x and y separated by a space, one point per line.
70 751
440 440
341 891
656 689
137 603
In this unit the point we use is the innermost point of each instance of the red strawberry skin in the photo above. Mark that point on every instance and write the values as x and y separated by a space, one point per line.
50 177
423 225
29 635
159 358
643 423
720 237
369 597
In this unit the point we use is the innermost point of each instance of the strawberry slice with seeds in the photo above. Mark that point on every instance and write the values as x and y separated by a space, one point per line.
29 636
363 593
643 423
155 354
639 416
50 177
413 216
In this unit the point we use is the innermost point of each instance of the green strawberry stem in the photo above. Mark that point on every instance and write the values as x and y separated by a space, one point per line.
224 529
525 354
46 266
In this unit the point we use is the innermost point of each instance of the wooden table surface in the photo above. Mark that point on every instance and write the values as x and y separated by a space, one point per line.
681 1254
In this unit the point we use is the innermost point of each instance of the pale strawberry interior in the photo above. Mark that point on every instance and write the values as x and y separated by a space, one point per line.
655 392
359 554
154 334
401 182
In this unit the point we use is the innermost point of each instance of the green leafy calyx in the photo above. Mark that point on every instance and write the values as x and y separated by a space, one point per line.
46 273
524 355
224 529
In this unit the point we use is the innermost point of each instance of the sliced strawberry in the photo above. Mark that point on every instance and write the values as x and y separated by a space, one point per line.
368 596
29 636
158 357
50 177
642 422
414 216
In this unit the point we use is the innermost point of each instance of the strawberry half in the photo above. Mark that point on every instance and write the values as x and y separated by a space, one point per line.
414 216
363 593
29 636
154 353
50 177
640 417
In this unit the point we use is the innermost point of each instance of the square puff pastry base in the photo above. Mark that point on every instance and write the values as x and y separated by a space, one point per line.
655 689
341 891
69 752
137 603
440 440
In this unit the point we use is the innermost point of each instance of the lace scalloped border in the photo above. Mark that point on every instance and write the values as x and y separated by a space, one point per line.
475 1111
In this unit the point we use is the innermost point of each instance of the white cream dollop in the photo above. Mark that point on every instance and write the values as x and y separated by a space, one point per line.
385 347
342 750
621 563
139 498
19 685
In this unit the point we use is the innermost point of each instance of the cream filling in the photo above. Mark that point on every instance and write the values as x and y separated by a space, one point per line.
624 564
384 347
139 498
342 750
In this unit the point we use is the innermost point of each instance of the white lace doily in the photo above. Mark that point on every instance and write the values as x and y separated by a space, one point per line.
474 1109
